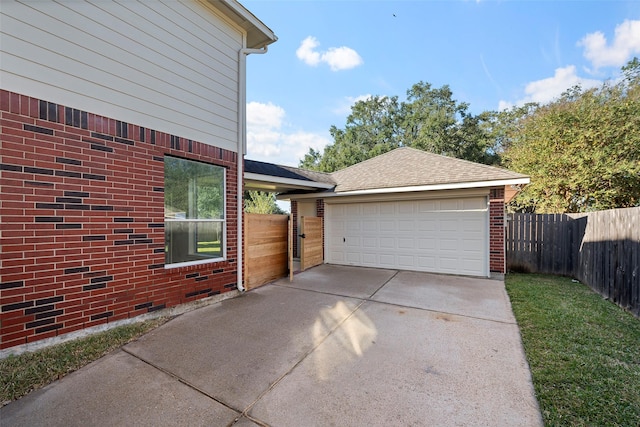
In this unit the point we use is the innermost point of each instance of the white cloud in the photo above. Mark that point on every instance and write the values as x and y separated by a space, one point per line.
270 139
338 58
306 52
626 43
264 116
341 58
344 108
546 90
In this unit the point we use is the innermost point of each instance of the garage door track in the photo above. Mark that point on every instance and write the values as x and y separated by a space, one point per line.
339 345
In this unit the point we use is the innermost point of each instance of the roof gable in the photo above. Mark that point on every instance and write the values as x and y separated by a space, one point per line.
409 167
258 34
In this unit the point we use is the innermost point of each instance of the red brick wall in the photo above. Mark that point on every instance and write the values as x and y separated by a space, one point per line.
82 221
320 214
496 230
294 217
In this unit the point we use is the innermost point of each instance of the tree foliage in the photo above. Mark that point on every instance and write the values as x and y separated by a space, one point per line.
261 202
430 119
581 151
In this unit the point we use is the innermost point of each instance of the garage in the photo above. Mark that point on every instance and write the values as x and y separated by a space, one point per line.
408 209
434 235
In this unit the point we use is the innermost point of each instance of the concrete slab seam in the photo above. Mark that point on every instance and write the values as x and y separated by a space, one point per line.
333 293
384 284
304 356
369 299
183 381
504 322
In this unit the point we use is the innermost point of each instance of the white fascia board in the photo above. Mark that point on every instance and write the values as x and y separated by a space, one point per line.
250 23
286 181
418 188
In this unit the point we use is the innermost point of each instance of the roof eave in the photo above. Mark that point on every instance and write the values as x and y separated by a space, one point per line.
285 183
258 34
418 188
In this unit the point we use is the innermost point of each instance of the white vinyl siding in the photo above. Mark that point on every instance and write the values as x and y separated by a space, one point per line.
168 65
441 236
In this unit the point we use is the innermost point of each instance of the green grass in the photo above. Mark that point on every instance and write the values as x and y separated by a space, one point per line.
209 247
19 375
584 352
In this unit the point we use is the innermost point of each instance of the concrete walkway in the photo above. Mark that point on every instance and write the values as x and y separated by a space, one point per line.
339 346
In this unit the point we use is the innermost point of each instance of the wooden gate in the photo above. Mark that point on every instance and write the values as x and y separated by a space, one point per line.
266 248
311 251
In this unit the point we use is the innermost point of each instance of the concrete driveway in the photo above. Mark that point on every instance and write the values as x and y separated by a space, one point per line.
341 346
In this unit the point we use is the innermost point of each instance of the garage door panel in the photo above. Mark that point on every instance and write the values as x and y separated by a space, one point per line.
354 225
449 205
406 243
424 224
406 225
449 225
406 261
428 263
369 226
449 245
369 209
472 245
477 203
473 226
427 244
387 260
449 263
470 265
448 236
406 209
369 259
387 225
386 208
353 242
370 243
387 242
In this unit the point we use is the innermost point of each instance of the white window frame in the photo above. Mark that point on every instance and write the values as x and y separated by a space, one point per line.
223 221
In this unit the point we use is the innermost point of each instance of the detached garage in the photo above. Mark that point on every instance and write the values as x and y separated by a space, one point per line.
412 210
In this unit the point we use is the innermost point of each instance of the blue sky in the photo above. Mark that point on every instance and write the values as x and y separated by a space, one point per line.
493 54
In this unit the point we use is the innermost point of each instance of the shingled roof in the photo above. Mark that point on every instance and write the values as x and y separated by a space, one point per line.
402 169
408 167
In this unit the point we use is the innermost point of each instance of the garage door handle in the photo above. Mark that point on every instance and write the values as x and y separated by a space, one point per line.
302 235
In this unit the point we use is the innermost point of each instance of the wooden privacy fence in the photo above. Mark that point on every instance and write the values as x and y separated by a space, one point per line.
265 248
601 249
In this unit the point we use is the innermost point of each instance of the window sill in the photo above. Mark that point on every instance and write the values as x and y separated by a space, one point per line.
193 263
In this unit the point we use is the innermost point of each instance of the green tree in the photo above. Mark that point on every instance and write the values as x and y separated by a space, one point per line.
261 202
371 129
435 122
581 151
430 119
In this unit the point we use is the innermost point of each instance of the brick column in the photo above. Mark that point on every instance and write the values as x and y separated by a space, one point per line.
320 214
496 231
294 218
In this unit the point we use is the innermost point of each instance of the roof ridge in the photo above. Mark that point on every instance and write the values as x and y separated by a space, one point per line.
286 166
307 170
462 160
368 160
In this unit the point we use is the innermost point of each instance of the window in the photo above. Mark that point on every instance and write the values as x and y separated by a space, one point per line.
194 214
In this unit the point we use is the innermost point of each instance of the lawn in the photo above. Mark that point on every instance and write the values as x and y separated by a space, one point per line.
19 375
583 351
209 247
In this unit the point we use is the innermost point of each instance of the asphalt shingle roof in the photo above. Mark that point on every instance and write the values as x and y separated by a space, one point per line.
280 171
402 167
406 167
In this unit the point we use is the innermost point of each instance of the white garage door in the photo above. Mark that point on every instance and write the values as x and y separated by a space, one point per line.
443 236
